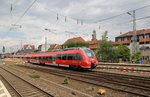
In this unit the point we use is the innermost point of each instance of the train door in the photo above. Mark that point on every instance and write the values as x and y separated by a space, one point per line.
54 59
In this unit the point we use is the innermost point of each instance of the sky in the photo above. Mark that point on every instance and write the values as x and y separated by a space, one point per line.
59 20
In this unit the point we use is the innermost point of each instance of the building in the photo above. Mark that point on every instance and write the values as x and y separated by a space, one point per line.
93 44
94 35
143 38
28 47
75 39
145 54
48 47
54 46
143 42
43 47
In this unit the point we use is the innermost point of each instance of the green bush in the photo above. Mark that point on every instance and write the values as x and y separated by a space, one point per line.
66 81
34 76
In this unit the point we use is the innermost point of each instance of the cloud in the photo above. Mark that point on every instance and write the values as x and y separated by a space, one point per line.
43 14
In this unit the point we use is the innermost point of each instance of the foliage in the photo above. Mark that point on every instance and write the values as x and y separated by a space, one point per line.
137 55
110 53
124 52
107 51
76 44
104 36
50 50
66 81
34 76
10 64
36 51
89 89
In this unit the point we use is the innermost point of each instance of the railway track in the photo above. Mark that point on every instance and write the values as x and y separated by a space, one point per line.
122 68
22 87
122 83
127 65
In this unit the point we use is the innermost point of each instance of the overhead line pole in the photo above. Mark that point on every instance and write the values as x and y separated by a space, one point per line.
45 44
134 33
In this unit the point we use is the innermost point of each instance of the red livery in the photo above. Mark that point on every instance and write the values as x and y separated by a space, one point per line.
77 57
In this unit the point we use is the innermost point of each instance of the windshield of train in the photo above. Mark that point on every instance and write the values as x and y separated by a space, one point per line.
89 53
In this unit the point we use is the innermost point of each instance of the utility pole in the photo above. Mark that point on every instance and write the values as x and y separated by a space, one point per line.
134 39
21 45
134 34
45 44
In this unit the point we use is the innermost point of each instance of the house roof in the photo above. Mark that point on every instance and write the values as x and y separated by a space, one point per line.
93 41
139 32
26 46
55 46
75 39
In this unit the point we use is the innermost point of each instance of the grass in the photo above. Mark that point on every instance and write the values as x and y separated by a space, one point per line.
89 89
10 64
34 76
66 81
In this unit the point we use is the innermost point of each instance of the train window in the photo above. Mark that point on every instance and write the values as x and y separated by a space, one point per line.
64 56
49 58
46 58
74 57
43 58
79 56
58 57
70 56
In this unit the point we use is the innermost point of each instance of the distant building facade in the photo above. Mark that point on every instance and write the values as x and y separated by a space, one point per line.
43 47
54 46
143 38
47 47
143 42
93 44
25 50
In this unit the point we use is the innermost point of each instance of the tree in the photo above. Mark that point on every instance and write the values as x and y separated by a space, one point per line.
137 55
35 51
124 52
76 44
107 51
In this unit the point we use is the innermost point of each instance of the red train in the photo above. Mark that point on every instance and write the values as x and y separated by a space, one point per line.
77 57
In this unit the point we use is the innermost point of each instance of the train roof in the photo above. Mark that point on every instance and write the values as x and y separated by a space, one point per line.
68 49
40 54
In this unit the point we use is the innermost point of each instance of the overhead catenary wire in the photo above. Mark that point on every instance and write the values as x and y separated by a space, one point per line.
25 12
121 14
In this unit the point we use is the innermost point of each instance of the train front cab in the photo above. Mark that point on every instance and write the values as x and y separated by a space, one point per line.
90 60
